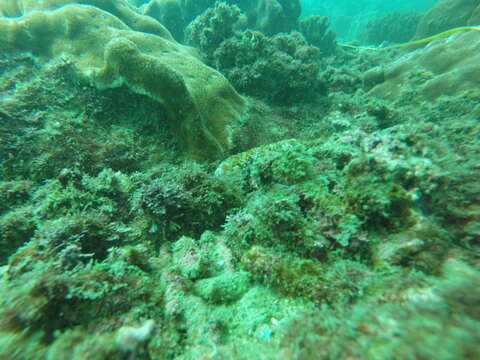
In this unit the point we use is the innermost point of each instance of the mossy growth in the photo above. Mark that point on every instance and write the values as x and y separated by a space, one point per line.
224 288
16 227
338 283
15 193
186 202
70 127
376 331
281 68
89 213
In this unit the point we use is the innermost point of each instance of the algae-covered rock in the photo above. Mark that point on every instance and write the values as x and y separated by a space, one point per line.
191 261
447 66
186 203
224 288
440 315
109 53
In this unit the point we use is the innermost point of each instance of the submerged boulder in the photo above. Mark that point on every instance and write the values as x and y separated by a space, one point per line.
102 42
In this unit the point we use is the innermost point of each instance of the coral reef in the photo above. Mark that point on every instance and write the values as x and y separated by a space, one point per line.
212 27
444 68
345 227
204 102
120 9
281 69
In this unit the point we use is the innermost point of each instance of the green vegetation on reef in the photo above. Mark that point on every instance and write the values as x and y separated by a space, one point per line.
335 213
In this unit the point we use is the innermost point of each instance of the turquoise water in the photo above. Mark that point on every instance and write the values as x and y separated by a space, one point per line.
350 17
346 8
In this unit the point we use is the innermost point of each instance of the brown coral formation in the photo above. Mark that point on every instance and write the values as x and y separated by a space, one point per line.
447 66
121 9
110 53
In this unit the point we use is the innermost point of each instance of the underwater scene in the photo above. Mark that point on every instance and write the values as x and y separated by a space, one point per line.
239 179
